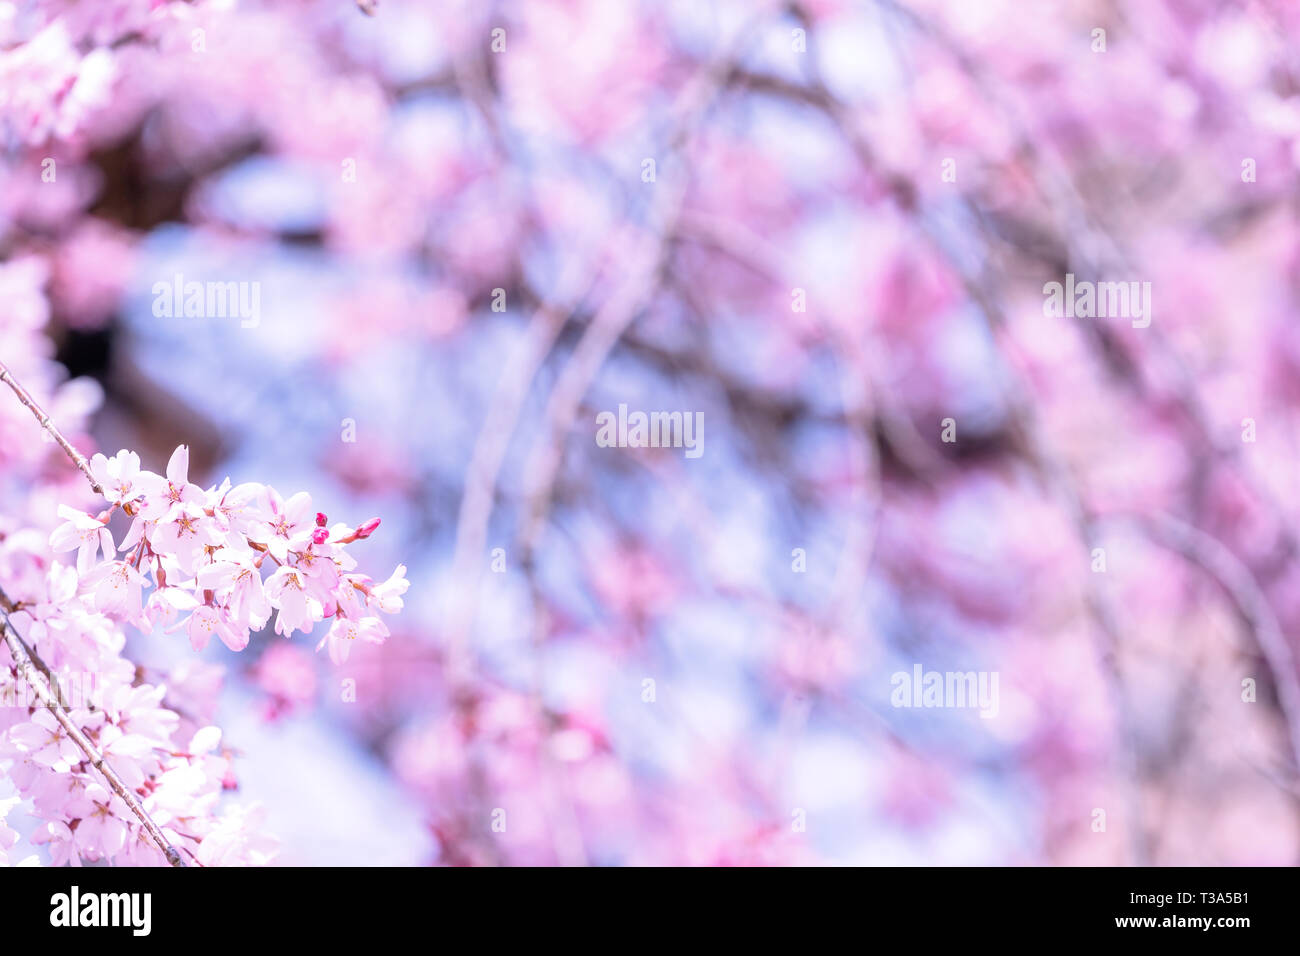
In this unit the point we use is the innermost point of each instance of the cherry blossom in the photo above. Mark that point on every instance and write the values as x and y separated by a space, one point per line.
43 740
826 227
84 533
200 555
117 475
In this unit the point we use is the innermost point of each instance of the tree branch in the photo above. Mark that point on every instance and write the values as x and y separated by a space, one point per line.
1238 582
28 670
30 403
42 679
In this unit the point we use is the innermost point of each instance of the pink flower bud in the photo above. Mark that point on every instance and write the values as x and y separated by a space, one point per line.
321 520
320 536
367 529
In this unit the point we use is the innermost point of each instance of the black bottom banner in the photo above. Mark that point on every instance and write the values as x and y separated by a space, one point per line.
1216 906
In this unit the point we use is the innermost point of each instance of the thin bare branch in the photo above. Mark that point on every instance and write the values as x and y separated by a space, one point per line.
30 403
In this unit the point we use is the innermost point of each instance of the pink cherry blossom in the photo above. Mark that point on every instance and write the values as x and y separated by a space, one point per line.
117 475
236 574
286 523
84 533
191 559
206 621
183 534
101 832
345 630
46 741
161 495
829 229
117 588
287 590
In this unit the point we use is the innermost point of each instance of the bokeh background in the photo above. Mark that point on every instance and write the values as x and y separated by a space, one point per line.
824 225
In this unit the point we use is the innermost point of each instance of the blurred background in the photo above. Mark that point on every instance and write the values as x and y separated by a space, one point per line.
826 228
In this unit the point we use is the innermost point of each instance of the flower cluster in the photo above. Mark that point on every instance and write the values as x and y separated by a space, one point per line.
207 551
156 737
221 561
49 88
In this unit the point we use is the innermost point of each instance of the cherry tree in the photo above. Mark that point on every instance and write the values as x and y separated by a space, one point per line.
985 310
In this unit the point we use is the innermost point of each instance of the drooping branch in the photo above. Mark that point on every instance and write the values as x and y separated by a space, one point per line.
30 403
42 680
1238 582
